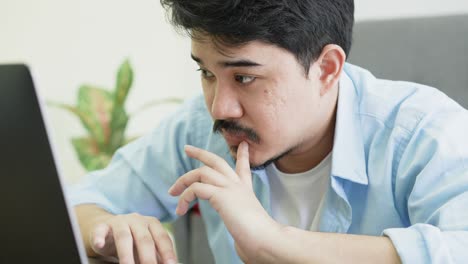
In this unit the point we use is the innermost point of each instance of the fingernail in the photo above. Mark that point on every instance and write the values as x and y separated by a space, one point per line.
244 144
171 261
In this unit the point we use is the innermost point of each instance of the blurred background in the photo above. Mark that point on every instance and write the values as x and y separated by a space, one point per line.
69 43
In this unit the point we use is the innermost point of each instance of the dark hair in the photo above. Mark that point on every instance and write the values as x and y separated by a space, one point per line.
302 27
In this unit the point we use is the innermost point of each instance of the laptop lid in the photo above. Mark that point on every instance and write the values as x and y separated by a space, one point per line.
36 224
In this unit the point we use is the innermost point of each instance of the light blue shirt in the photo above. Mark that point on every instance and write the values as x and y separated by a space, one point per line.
399 168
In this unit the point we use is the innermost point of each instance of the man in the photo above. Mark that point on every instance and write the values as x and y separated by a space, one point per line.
293 155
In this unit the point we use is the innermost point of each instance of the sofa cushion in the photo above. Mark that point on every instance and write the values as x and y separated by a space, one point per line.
429 50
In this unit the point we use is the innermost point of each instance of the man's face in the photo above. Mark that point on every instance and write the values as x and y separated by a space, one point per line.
259 93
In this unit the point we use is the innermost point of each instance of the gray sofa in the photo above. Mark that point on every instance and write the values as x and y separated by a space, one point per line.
432 51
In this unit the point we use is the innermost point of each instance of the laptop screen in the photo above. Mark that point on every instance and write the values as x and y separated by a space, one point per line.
35 223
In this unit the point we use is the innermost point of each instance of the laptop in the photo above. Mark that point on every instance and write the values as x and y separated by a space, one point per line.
36 223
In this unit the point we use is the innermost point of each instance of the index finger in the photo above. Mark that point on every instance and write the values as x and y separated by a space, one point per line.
243 163
211 160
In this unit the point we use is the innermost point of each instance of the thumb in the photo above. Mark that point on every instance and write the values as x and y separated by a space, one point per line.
243 163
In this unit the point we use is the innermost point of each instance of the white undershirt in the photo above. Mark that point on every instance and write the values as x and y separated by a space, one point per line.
296 198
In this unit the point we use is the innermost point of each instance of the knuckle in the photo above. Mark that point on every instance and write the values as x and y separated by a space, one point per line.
122 235
118 218
145 239
182 180
124 218
204 169
185 182
134 215
196 185
159 232
203 177
151 219
186 197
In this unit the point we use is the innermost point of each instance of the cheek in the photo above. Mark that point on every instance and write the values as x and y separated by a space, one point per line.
273 110
285 110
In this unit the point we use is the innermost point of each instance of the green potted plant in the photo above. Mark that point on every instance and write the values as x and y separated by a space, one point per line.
102 113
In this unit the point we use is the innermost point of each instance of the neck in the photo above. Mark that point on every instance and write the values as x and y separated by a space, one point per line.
309 154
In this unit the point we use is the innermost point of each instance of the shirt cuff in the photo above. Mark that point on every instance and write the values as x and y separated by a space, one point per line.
82 194
410 243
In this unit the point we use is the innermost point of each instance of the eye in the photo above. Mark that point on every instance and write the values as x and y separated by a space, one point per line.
205 74
244 79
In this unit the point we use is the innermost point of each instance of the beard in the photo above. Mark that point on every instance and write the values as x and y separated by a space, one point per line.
235 128
270 161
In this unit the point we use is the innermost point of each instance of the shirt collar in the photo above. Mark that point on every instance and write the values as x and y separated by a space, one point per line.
348 160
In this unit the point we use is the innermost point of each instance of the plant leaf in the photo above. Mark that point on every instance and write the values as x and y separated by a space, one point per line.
95 106
118 126
89 154
119 116
124 83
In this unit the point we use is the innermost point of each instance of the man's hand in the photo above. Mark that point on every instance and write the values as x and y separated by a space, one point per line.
230 193
258 238
131 238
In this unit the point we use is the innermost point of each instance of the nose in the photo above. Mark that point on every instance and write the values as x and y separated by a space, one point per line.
226 103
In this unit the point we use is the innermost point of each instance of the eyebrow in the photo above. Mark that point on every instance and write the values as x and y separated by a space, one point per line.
233 63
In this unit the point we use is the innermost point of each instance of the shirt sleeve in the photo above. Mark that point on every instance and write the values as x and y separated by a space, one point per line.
431 191
140 174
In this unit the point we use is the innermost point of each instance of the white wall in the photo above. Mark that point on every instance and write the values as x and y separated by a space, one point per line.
68 43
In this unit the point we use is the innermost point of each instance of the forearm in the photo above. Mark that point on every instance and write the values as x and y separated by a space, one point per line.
88 215
299 246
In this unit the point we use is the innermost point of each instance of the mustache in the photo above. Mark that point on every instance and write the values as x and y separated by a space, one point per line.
235 128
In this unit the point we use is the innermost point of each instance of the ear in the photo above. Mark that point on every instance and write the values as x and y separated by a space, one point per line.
330 64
